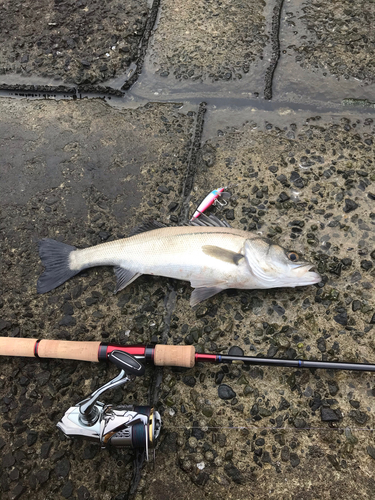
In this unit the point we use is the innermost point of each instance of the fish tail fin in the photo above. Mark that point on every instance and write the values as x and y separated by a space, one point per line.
55 258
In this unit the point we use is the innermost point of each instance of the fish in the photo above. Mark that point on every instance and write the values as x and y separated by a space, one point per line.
207 252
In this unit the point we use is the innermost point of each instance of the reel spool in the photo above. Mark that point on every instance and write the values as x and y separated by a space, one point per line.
137 427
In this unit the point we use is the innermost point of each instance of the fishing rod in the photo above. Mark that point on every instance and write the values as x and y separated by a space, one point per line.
159 354
136 427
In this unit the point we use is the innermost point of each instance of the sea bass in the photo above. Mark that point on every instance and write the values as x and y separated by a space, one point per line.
208 253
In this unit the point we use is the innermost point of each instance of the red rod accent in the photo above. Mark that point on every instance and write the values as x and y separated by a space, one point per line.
205 357
36 347
132 350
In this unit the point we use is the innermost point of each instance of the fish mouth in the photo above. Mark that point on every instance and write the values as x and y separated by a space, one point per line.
307 273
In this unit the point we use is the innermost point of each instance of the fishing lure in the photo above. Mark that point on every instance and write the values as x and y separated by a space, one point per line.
212 199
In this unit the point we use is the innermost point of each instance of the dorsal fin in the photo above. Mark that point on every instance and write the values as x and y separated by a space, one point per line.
213 221
149 225
203 220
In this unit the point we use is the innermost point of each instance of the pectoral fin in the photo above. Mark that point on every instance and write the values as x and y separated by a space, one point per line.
203 293
124 277
222 254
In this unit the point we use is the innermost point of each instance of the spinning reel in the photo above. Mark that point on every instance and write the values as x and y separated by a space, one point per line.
132 426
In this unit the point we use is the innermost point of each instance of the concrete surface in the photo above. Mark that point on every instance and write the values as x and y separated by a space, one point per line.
273 429
327 52
301 171
339 38
208 40
76 42
69 158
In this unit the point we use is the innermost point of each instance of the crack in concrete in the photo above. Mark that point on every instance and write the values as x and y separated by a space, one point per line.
133 77
275 42
157 378
24 90
192 164
170 298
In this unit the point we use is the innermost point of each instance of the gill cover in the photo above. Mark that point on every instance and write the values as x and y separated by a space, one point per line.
261 268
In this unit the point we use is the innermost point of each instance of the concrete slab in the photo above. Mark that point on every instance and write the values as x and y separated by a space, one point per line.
292 175
84 173
207 46
340 38
76 42
310 187
200 40
327 53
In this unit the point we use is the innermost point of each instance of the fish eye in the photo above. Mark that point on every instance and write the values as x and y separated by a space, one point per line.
293 256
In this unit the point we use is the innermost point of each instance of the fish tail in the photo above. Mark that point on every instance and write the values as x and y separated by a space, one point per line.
55 258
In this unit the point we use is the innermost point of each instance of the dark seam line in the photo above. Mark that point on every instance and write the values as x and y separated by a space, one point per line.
25 90
192 163
170 299
275 42
144 45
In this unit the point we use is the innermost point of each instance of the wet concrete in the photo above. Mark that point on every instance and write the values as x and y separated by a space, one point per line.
292 185
326 52
69 158
339 38
86 170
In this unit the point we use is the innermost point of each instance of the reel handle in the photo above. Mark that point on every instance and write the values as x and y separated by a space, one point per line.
126 362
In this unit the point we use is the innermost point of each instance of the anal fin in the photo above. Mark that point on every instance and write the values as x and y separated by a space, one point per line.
203 293
124 277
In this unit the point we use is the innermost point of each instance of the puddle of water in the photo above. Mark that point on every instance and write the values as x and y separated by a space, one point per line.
222 114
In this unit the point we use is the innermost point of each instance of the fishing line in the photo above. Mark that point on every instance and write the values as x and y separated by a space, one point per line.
290 429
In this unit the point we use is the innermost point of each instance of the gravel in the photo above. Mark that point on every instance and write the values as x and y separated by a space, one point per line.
226 392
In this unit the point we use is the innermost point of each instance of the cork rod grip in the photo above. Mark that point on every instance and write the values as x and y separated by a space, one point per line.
174 355
67 349
61 349
10 346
